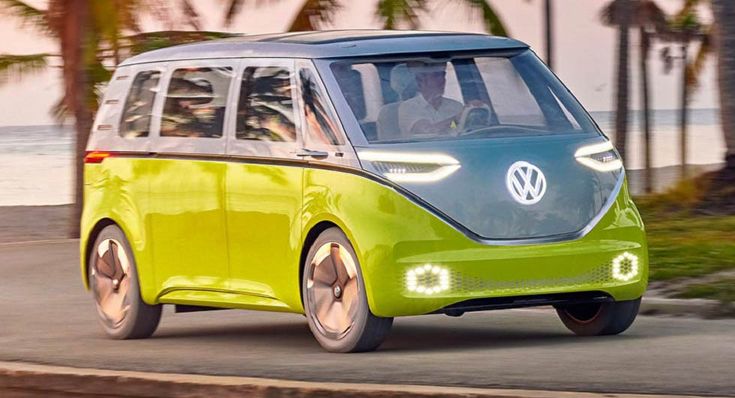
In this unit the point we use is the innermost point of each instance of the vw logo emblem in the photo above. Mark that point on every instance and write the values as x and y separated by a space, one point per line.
525 182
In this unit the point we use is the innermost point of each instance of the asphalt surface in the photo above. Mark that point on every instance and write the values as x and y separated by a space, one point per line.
47 317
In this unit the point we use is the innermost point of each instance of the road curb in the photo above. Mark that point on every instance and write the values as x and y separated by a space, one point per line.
32 380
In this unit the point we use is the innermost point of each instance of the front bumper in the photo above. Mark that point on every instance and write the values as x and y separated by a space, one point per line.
510 272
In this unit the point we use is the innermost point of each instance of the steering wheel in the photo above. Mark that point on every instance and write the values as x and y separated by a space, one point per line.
476 117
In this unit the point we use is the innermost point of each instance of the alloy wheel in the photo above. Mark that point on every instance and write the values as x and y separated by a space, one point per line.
110 280
333 290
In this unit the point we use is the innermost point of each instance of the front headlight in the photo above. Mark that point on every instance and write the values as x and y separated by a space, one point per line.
411 167
601 157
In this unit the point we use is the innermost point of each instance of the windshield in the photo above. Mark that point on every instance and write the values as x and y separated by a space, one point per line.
457 97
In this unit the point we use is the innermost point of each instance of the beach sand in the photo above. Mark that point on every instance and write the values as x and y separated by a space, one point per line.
26 223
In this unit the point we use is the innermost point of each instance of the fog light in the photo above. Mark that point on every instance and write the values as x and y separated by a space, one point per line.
427 279
625 267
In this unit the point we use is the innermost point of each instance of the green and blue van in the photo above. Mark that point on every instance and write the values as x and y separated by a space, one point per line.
354 177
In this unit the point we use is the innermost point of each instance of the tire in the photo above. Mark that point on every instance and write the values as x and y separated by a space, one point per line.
599 319
335 303
116 289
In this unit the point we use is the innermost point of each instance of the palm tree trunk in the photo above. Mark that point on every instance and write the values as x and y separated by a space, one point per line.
645 104
621 105
724 12
684 105
549 34
73 19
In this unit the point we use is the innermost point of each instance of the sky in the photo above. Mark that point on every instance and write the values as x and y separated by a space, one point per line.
585 51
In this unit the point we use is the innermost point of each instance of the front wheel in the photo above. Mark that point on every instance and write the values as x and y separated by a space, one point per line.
113 279
596 319
334 297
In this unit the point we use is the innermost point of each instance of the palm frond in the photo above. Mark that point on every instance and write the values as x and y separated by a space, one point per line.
695 68
233 9
313 14
20 66
26 13
60 112
191 14
147 41
394 12
687 8
640 13
490 19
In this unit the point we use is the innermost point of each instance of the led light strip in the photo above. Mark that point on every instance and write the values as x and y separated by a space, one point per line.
593 149
405 157
583 156
447 164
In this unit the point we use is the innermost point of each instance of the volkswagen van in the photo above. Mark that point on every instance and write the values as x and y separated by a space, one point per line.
354 177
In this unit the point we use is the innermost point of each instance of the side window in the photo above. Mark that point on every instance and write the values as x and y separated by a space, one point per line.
320 125
265 108
136 116
195 103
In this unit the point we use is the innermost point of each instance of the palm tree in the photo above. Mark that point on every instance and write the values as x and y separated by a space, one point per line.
724 11
394 13
89 34
618 14
68 22
648 18
683 29
718 39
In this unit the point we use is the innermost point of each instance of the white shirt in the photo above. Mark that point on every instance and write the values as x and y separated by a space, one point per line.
417 108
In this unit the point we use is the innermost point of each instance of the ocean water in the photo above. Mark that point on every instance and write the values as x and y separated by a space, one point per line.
36 165
36 162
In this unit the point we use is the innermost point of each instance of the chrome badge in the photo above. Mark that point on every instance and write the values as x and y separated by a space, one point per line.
525 182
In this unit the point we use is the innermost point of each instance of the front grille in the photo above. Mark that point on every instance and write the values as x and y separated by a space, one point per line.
461 284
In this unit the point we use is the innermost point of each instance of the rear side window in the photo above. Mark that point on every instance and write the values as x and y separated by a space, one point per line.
265 109
195 103
136 116
320 125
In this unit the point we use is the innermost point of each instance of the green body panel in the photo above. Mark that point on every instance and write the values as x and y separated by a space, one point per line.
187 225
184 227
263 218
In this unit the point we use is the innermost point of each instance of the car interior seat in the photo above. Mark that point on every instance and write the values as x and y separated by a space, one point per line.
403 82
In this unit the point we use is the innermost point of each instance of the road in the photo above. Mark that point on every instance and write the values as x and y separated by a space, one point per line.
47 317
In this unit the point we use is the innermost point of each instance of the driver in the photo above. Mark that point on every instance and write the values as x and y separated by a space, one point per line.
429 112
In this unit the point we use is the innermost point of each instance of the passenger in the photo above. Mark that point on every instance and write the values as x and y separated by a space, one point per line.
429 112
403 82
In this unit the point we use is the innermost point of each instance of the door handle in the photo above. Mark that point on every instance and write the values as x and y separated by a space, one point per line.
312 154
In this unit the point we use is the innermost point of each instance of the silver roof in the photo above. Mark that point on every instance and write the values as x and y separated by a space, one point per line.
329 44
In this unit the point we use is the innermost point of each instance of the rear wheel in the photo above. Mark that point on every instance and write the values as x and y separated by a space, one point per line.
334 297
113 279
597 319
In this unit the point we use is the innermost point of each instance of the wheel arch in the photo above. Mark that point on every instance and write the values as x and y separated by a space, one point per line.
91 237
